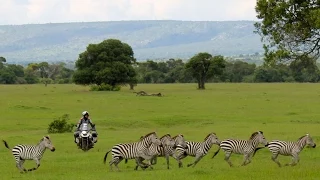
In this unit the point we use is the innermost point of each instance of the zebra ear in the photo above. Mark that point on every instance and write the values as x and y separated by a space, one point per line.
47 137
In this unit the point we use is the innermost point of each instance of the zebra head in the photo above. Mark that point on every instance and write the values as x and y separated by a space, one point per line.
166 140
212 138
258 137
180 141
309 141
152 138
46 142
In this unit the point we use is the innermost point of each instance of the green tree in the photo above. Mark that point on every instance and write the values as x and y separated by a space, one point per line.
109 62
203 67
290 28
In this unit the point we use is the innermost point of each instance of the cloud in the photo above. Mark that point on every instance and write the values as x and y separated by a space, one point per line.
45 11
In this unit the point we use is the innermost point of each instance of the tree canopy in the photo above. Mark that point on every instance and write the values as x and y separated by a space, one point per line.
290 28
109 62
203 67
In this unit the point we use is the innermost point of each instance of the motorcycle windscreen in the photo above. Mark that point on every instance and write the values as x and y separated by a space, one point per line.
84 127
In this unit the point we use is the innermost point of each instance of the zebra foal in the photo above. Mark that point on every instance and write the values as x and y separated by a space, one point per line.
196 149
136 150
289 148
22 152
245 147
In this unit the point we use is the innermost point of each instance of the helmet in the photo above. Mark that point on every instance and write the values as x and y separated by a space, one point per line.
85 113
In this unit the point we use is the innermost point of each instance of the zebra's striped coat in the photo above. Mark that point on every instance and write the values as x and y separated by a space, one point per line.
134 150
22 152
239 146
196 149
289 148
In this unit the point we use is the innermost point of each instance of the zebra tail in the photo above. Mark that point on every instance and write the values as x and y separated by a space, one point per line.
105 157
257 149
6 144
216 152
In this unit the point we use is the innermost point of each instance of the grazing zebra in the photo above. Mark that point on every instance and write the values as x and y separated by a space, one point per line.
22 152
168 148
133 151
196 149
245 147
288 148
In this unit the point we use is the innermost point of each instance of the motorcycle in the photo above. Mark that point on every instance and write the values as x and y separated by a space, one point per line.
87 137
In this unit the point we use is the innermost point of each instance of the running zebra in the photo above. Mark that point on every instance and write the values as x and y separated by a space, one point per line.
289 148
245 147
179 143
154 150
168 148
196 149
134 150
22 152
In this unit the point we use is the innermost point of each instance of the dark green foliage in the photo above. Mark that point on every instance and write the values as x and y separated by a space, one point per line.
290 28
60 125
109 62
203 67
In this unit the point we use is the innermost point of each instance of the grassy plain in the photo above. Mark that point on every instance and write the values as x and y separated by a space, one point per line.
281 111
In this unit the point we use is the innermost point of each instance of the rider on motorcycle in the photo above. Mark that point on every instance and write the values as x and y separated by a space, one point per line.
85 119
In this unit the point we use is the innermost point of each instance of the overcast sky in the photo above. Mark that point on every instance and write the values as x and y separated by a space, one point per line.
46 11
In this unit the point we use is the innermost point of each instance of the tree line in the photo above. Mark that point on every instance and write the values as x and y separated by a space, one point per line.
171 71
33 73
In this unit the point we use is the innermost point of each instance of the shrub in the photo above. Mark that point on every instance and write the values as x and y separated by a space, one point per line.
60 125
104 87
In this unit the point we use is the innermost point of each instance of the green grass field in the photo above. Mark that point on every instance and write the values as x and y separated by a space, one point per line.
281 111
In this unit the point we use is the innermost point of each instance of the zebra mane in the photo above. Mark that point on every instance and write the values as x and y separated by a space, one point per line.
209 135
302 137
166 135
255 133
177 135
149 134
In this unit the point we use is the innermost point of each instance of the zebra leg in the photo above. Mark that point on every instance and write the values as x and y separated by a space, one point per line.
198 158
154 160
114 160
227 158
37 163
179 157
246 160
139 162
117 162
19 165
274 158
167 160
295 160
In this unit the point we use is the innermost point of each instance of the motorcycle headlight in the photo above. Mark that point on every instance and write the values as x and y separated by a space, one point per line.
84 132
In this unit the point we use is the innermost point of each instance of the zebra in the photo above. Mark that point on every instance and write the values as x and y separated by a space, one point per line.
245 147
289 148
196 149
154 150
170 151
168 148
22 152
133 151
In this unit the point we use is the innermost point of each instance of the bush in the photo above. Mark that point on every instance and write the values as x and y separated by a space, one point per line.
104 87
60 125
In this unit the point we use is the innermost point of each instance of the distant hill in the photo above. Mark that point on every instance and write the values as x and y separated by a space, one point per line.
149 39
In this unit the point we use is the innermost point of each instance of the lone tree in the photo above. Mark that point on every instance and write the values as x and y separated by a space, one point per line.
291 29
109 62
203 67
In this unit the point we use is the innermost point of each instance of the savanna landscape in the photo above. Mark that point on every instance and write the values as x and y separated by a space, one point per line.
282 111
250 80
